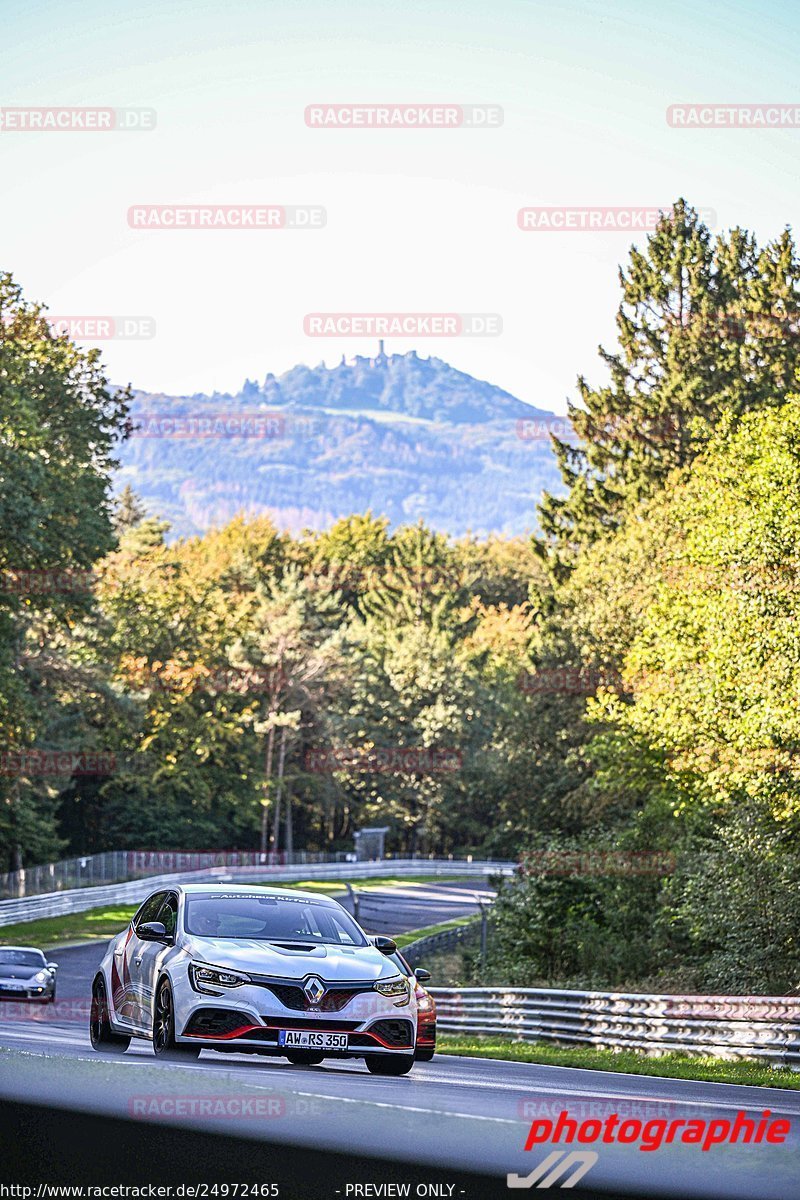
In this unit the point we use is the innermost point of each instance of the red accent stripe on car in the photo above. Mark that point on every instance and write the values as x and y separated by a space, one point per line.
223 1037
226 1037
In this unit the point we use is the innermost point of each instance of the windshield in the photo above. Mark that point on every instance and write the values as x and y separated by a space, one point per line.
21 958
270 919
400 962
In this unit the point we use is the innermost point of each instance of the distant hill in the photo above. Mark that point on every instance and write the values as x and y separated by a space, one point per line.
405 436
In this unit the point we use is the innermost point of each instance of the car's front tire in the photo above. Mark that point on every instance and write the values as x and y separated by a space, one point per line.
164 1044
304 1058
384 1064
424 1055
101 1035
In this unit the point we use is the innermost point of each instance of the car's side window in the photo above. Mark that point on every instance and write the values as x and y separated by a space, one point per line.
168 914
149 910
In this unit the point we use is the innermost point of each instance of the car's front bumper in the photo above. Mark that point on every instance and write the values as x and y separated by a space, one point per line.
251 1017
43 991
227 1028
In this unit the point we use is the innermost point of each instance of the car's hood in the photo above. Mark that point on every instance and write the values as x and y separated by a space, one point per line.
331 963
16 971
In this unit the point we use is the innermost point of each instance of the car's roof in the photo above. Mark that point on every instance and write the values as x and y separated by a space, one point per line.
243 889
34 949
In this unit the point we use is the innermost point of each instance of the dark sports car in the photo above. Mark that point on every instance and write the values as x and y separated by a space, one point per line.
25 974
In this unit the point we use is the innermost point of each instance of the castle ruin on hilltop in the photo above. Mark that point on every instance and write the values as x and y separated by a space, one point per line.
380 359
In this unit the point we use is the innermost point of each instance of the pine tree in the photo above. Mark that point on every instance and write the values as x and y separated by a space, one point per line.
705 327
129 509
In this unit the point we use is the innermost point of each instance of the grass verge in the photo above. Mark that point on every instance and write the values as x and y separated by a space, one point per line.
626 1062
101 922
413 935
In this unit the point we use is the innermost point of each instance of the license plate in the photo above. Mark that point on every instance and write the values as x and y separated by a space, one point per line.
307 1039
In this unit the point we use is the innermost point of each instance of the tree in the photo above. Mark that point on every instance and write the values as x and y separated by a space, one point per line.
706 328
288 647
698 737
421 581
58 425
348 558
129 509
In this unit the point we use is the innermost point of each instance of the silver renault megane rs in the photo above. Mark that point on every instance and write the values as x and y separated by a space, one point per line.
257 969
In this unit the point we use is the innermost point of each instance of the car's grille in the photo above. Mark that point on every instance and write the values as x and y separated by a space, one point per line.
308 1023
334 1000
268 1036
394 1033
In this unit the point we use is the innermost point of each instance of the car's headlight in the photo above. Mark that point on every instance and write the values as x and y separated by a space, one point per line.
210 979
424 1002
42 977
396 988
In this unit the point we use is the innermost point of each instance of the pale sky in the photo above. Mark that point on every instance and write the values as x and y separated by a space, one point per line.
417 220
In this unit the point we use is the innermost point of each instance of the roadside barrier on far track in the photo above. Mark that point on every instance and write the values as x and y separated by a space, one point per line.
733 1027
58 904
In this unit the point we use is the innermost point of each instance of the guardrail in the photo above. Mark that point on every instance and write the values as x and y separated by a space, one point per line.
445 939
759 1027
57 904
119 866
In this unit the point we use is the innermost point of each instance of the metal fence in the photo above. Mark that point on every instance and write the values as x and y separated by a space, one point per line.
70 873
747 1027
117 866
56 904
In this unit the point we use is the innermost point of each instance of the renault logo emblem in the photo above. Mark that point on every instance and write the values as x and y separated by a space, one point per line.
314 990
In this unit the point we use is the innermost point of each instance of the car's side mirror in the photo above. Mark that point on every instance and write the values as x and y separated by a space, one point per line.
153 931
422 975
52 966
386 945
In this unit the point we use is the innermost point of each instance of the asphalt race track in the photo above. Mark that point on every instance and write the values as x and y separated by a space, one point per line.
415 905
450 1113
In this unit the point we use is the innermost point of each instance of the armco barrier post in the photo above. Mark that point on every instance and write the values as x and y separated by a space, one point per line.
484 932
353 894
